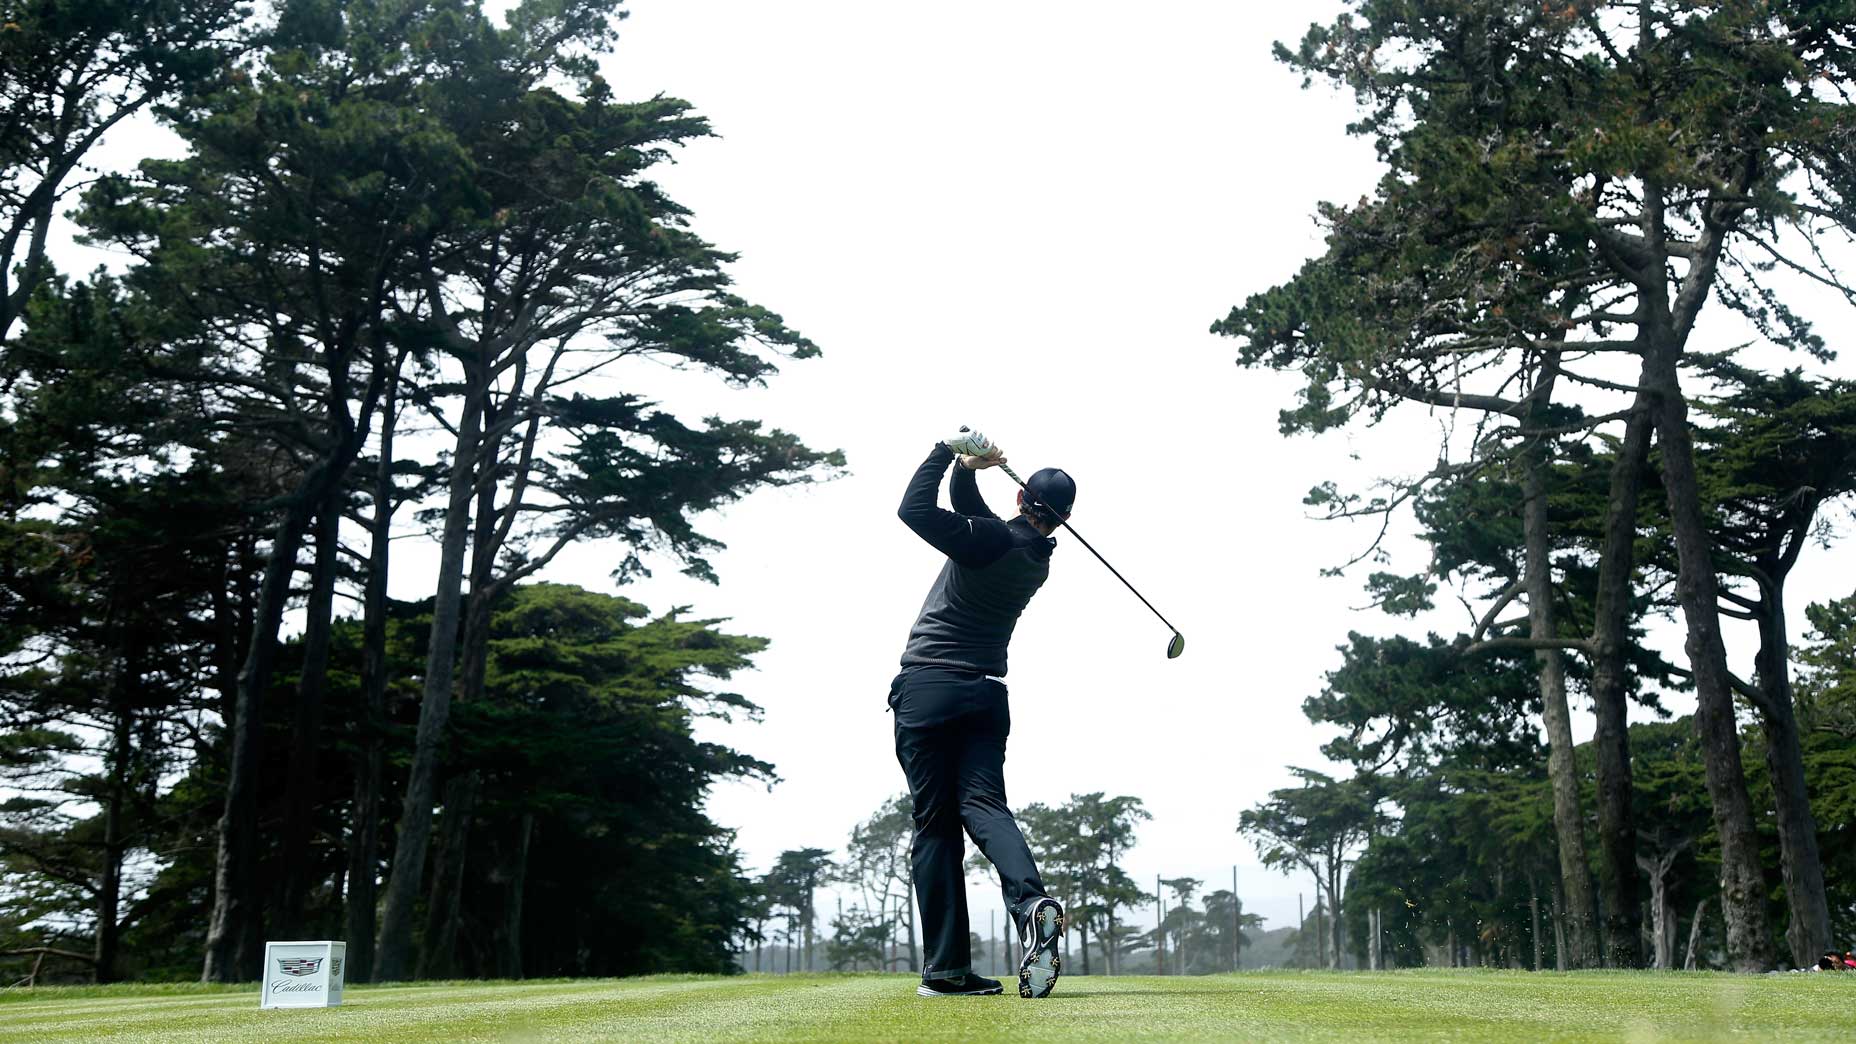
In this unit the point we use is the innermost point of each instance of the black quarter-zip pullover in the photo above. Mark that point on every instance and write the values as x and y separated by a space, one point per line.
993 568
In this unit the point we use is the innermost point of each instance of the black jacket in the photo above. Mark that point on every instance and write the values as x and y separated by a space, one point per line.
993 568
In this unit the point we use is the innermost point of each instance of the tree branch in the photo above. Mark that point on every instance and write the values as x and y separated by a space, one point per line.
1582 645
1502 601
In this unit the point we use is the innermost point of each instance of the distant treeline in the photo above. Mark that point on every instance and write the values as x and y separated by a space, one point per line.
1114 926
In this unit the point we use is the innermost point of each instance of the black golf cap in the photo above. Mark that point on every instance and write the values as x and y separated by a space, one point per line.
1054 488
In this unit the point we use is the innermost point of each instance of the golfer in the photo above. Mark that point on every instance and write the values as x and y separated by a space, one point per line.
951 713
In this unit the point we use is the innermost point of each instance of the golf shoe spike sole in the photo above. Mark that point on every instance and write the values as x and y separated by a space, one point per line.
1037 972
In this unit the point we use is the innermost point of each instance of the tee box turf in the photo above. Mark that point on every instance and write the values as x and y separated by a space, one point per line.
303 974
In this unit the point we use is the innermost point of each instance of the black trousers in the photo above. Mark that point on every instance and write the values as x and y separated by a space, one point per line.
951 728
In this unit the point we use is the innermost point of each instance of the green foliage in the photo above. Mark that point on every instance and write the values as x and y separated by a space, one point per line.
792 885
1208 941
1079 846
1776 451
1542 166
570 261
1222 937
1398 700
1314 824
119 542
587 731
1827 714
1507 131
70 70
364 184
1565 186
1401 595
859 939
1827 686
585 742
1319 827
877 863
1469 849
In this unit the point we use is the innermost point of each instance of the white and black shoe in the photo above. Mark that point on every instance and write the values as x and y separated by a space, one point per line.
968 985
1042 936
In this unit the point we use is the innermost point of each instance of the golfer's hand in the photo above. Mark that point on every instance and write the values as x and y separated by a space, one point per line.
969 443
973 463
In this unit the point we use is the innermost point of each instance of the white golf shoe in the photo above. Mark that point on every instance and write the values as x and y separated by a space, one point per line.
1042 936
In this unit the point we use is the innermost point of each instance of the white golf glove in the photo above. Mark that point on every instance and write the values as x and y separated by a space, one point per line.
970 443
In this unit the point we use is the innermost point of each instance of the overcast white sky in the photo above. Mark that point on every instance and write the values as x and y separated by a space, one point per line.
1023 217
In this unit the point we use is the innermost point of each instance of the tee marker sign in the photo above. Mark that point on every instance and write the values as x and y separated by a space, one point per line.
303 974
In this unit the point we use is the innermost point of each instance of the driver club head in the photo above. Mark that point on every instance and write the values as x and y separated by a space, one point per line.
1176 646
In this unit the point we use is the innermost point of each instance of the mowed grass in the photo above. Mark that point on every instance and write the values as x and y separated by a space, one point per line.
1261 1006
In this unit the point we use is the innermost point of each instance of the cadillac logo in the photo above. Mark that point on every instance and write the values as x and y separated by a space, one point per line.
301 975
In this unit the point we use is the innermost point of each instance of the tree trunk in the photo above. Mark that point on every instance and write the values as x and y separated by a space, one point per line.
1743 888
415 830
301 789
811 919
1106 937
474 652
1533 909
1807 934
232 603
1321 933
1665 937
1662 912
364 842
1562 770
233 928
1694 937
1372 950
1237 924
1160 927
512 878
1559 924
445 904
1334 912
1108 946
109 886
234 934
444 899
1617 830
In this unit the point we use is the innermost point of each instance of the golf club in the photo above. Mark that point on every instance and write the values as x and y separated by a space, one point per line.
1174 647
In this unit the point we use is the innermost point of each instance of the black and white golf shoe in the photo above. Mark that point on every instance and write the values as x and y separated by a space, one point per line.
1042 936
968 985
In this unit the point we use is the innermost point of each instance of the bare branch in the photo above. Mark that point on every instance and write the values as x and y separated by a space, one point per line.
1502 601
1498 644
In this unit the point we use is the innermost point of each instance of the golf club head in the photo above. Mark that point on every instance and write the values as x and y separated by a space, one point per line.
1176 646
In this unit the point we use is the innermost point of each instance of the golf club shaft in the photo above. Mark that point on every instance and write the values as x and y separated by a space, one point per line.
1060 521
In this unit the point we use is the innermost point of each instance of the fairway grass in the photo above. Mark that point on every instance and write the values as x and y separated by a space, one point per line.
1263 1006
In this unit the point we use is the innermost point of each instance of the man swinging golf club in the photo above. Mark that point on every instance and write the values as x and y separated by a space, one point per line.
951 712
